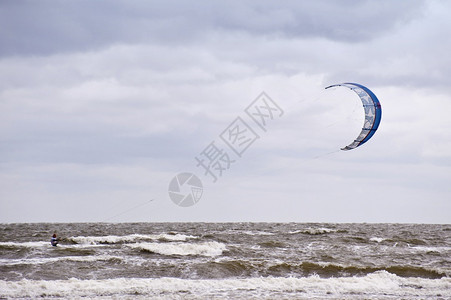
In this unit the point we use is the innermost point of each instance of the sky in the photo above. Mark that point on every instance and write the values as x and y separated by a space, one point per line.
104 103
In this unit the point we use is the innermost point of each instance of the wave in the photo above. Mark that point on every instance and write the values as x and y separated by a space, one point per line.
46 260
377 285
203 249
226 267
272 244
247 232
115 239
24 244
41 245
314 231
98 241
430 249
377 239
327 270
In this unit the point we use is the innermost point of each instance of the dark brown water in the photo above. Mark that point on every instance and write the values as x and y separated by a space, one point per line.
221 260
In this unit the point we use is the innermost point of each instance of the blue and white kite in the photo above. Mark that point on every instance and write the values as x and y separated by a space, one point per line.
373 113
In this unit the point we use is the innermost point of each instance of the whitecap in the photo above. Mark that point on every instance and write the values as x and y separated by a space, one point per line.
114 239
313 231
377 239
203 249
258 233
376 285
25 244
45 260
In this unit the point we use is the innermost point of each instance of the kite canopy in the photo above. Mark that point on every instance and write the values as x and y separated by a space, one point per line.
373 113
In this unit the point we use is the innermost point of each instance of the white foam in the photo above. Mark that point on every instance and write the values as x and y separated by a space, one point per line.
113 239
203 249
45 260
26 244
377 239
258 233
46 245
429 249
373 286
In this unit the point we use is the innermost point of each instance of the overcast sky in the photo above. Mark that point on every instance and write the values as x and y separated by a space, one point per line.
102 103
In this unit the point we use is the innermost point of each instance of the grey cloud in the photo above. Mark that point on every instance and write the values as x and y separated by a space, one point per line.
146 87
46 27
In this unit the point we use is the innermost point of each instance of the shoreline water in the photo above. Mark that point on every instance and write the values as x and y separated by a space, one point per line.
226 260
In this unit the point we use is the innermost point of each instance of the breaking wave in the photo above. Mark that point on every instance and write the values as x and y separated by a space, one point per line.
376 285
115 239
313 231
46 260
248 232
334 270
377 239
203 249
24 244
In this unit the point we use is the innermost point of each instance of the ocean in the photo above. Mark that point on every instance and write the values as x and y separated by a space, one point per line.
225 261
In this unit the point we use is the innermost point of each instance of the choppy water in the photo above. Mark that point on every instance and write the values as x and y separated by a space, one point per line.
226 260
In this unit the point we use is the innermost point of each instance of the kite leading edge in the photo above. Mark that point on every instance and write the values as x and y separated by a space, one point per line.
373 113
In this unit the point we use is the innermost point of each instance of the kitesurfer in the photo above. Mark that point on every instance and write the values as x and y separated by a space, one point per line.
54 240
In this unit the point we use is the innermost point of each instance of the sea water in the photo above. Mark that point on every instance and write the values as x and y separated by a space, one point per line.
225 261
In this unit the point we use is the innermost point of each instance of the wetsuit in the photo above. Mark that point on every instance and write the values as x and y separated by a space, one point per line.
54 241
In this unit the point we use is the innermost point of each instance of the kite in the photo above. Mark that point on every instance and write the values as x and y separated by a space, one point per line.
373 113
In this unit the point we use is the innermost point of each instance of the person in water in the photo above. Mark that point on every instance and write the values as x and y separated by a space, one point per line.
54 240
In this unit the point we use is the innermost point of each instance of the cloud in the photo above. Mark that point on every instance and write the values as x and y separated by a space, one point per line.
49 27
101 103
